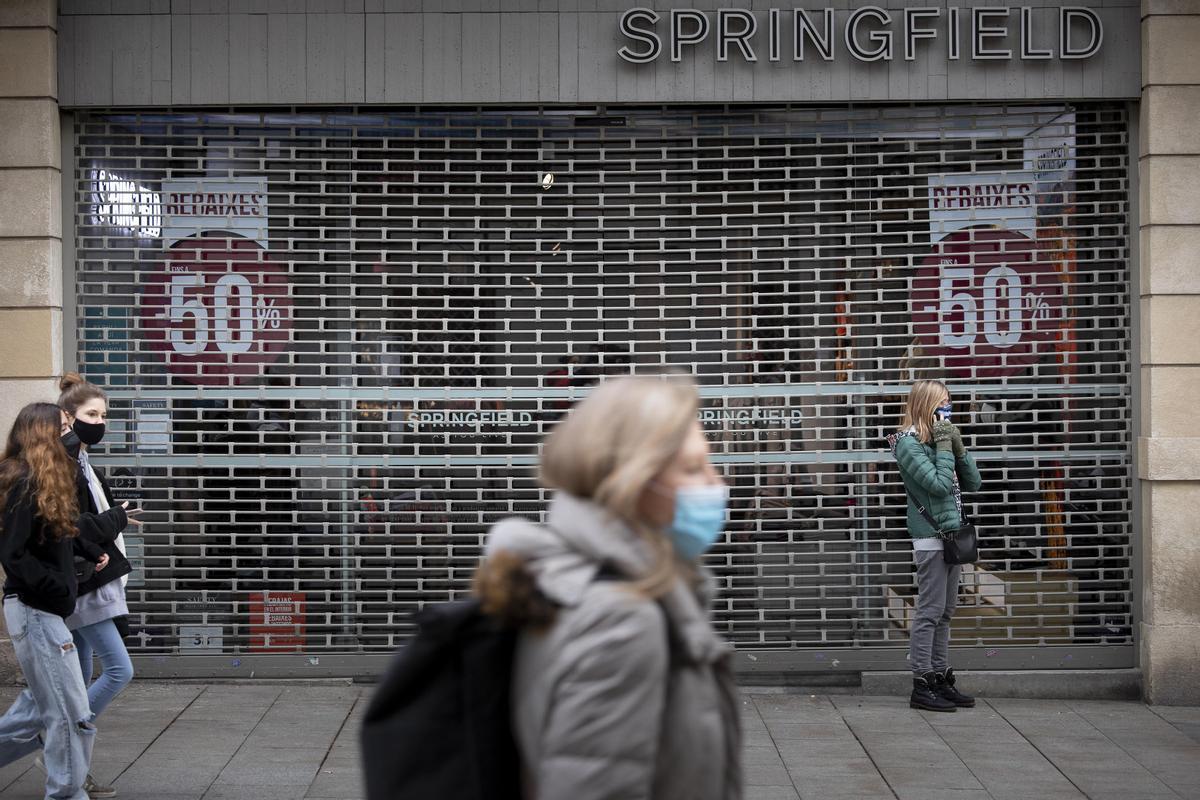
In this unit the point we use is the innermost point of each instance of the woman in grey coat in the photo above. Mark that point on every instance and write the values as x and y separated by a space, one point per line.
621 688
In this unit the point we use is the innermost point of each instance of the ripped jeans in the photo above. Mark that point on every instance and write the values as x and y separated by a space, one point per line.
55 705
104 640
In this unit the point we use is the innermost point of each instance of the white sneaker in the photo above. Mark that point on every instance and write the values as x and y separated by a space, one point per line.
95 790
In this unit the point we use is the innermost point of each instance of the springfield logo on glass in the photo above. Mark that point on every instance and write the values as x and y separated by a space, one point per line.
219 310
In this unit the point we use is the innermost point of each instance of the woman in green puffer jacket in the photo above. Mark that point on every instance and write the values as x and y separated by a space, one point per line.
936 469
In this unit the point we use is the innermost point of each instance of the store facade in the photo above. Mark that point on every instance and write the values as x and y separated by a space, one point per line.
341 268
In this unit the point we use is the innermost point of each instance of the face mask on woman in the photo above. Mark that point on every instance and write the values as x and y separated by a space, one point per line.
942 412
89 433
699 518
70 441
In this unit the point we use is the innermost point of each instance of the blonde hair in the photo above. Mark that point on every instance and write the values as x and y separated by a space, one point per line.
923 398
614 443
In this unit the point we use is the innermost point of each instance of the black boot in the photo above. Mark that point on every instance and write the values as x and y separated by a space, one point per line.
945 688
925 694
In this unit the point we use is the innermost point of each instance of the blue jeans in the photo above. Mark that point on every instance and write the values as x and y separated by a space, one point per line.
103 639
55 702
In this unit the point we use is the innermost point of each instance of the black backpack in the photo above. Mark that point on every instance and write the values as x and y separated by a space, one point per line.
439 725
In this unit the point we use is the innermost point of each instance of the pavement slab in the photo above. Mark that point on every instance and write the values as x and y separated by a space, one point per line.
299 741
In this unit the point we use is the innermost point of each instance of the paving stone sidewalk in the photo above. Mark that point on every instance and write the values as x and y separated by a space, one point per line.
174 741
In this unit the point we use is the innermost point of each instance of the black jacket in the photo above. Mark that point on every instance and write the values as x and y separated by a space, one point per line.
37 567
100 533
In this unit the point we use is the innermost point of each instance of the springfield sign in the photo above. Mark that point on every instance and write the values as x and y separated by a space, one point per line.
867 33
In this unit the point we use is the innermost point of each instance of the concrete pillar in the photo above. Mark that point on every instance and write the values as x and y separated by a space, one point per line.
1169 447
30 219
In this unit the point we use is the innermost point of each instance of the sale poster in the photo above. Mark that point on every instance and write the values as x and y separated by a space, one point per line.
1005 200
233 205
219 310
987 302
277 622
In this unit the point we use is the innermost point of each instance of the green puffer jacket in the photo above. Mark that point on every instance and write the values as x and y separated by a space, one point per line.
928 474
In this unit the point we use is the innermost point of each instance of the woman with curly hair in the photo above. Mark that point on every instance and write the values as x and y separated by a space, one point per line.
100 609
621 687
39 526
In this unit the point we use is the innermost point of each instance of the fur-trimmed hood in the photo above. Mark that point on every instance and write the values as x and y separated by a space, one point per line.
566 555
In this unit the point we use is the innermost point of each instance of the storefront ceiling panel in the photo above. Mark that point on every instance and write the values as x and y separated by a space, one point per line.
262 55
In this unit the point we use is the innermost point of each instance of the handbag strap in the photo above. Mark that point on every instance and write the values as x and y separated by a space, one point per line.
924 513
962 517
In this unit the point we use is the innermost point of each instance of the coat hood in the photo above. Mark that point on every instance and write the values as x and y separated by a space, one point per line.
580 538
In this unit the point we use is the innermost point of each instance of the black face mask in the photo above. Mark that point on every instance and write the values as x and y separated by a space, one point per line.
71 442
89 433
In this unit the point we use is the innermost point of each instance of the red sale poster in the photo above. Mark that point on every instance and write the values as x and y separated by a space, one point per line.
219 310
988 302
277 622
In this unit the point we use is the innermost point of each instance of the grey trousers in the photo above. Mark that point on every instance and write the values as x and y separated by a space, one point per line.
937 597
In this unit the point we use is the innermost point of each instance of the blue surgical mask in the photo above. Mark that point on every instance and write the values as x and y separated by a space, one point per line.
943 412
699 519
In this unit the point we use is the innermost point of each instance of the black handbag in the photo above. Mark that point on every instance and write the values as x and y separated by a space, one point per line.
84 570
960 545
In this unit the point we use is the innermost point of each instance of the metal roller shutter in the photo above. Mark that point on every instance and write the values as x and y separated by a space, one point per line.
333 339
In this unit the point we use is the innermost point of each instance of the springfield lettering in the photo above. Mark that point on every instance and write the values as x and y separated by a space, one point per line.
867 33
750 416
468 419
477 420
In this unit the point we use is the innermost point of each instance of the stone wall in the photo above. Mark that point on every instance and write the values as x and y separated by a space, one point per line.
1169 447
30 218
